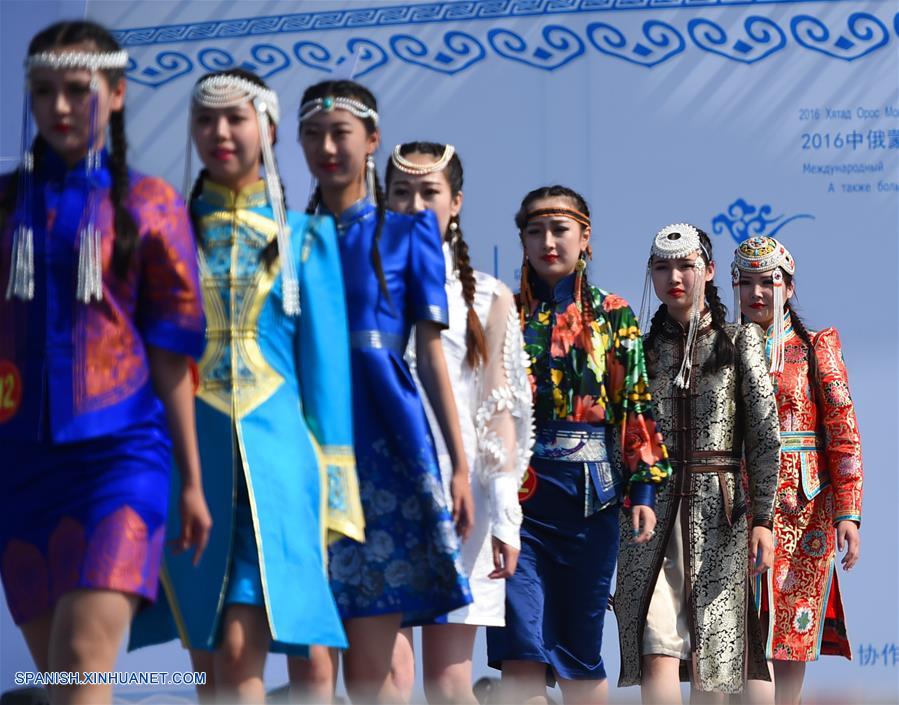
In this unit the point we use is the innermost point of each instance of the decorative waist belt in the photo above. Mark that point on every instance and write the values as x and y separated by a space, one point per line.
587 445
572 443
799 442
709 461
377 340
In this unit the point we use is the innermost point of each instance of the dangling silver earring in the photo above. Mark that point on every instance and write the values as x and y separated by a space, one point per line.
370 178
453 241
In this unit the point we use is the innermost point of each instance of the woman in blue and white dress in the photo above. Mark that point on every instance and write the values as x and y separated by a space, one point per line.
485 357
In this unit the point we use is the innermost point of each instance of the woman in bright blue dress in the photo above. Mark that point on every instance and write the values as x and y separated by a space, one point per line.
409 567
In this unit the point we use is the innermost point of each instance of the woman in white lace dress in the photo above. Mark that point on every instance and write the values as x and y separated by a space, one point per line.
484 354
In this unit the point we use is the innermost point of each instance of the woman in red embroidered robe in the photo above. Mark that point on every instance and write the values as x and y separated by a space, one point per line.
819 494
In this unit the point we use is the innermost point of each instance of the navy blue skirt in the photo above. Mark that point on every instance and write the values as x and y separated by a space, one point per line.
556 601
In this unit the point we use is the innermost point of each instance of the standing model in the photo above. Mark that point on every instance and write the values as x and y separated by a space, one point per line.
682 600
273 402
596 444
486 361
409 567
100 317
820 483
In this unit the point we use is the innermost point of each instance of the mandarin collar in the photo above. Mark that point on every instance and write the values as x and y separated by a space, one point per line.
360 210
250 196
54 168
561 293
675 329
787 323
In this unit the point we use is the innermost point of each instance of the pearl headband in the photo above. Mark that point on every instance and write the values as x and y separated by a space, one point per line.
404 165
90 60
224 91
330 103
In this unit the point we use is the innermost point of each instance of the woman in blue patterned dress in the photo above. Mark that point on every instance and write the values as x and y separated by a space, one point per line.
409 567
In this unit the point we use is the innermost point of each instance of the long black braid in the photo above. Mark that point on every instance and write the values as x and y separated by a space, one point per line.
351 89
803 333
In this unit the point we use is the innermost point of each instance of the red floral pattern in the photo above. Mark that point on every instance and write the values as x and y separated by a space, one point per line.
815 490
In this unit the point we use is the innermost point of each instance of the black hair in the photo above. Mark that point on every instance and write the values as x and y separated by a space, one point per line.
475 342
69 33
582 292
270 252
351 89
725 352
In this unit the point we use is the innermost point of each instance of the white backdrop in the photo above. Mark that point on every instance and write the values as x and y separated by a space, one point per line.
765 116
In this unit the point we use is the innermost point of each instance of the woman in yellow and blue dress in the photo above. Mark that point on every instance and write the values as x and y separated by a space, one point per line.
273 402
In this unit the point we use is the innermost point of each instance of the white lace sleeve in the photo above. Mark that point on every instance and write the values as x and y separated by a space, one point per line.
504 418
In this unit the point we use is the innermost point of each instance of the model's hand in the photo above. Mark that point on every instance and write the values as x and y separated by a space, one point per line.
463 503
643 520
505 559
850 541
761 549
195 523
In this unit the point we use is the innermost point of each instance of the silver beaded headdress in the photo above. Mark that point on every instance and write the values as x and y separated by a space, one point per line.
404 165
226 91
90 253
765 254
330 102
675 242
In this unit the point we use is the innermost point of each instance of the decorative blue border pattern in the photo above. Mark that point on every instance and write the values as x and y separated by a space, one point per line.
741 220
447 11
549 47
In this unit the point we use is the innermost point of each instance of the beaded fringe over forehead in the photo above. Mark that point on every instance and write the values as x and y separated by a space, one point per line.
404 165
225 91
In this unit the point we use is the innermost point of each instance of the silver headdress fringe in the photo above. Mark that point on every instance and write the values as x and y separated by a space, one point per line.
90 254
225 91
404 165
329 103
675 242
765 254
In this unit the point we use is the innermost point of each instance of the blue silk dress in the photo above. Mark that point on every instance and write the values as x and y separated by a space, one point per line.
275 433
86 453
410 562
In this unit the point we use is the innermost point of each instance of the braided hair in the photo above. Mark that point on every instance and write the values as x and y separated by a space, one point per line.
351 89
69 33
582 294
269 254
805 336
475 341
724 353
